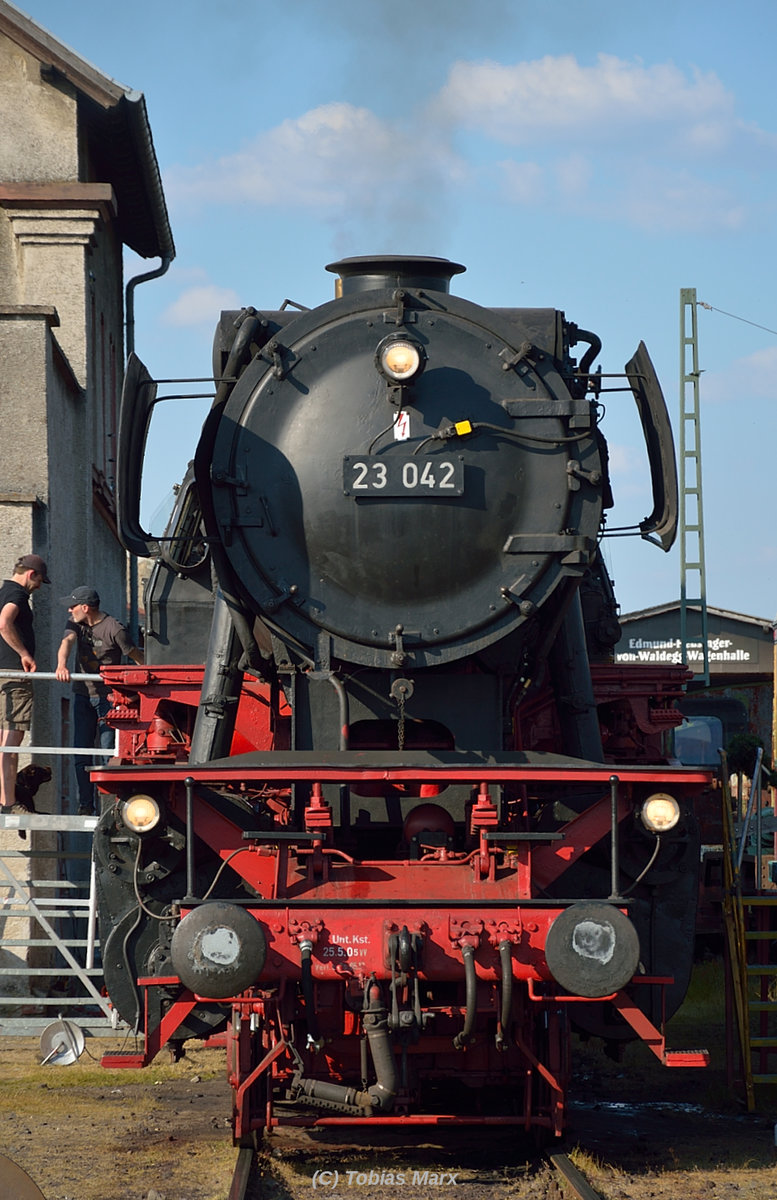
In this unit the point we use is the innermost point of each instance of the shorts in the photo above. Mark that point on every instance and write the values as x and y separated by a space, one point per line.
15 704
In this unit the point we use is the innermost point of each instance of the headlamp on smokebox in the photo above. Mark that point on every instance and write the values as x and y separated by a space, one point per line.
400 359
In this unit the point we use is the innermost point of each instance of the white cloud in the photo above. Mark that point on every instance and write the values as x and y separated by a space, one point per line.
200 305
748 379
331 157
653 197
658 198
523 182
624 459
573 174
647 146
628 475
555 99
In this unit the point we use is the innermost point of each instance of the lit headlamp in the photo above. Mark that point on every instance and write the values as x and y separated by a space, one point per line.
140 813
400 359
660 812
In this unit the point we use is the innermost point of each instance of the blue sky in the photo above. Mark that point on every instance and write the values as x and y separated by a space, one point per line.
591 156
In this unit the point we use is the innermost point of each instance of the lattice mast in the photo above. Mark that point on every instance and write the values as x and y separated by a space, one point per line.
692 569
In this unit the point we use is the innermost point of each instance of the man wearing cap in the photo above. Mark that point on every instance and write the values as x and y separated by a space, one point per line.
17 653
101 641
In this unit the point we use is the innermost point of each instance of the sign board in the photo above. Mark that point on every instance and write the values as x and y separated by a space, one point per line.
736 646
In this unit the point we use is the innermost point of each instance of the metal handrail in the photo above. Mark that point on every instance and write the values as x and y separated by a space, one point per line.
752 806
33 675
67 751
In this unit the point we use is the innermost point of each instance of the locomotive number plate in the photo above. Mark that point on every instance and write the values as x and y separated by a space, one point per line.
403 475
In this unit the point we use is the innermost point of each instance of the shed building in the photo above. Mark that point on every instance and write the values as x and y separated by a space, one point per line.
741 655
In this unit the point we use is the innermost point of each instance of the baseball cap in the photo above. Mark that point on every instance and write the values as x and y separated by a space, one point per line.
81 595
33 562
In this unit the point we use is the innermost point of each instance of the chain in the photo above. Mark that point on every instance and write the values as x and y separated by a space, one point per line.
401 691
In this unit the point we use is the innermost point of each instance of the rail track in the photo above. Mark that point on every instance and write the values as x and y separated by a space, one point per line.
241 1179
555 1178
576 1186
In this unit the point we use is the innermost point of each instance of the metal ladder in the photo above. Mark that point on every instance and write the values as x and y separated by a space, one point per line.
750 925
49 949
691 508
51 966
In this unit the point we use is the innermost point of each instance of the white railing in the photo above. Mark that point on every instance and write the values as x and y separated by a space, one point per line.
49 906
45 903
68 751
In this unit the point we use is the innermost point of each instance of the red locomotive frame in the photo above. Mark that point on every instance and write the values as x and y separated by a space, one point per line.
459 935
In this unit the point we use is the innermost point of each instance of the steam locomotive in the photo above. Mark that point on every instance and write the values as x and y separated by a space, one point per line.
386 820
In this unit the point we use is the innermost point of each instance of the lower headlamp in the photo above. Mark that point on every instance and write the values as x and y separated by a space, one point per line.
140 813
660 812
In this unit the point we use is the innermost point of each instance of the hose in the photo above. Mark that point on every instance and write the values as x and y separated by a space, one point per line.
505 958
594 346
465 1036
306 951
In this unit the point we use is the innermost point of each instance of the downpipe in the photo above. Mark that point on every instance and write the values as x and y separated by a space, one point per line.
129 309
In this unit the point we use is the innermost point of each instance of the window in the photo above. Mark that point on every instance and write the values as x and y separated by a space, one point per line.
697 741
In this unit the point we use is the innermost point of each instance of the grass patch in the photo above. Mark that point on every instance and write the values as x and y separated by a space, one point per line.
85 1133
21 1059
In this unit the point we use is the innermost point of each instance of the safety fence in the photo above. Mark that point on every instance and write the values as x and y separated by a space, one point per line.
49 947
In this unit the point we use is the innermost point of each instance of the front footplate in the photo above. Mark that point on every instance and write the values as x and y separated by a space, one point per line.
654 1038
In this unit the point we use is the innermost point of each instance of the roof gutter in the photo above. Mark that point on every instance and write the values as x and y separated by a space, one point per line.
135 105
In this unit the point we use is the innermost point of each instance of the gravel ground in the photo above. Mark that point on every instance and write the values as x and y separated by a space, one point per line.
638 1131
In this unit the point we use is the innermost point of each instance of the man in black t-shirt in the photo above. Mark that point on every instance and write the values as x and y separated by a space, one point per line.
17 653
100 640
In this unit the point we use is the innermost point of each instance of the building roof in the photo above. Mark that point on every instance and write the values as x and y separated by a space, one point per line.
116 120
764 623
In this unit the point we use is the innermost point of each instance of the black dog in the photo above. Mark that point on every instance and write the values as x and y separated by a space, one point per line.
28 780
